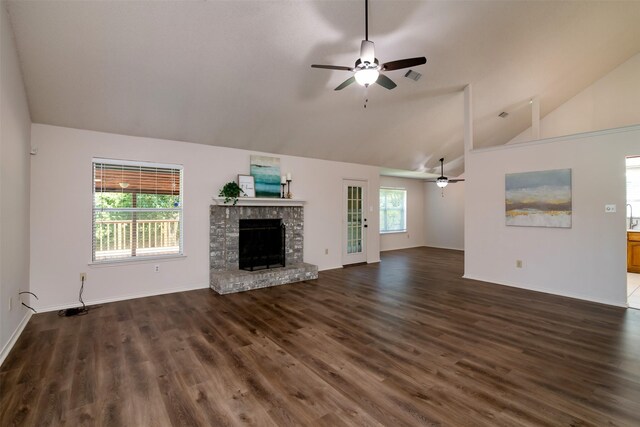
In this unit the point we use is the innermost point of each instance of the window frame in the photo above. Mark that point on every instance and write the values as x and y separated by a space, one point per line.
137 258
404 211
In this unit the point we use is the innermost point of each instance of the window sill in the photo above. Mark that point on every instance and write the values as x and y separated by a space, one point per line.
393 232
130 261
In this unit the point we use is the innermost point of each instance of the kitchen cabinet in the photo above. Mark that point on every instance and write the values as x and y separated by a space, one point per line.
633 251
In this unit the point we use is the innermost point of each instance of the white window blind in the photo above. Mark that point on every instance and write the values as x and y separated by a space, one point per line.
137 210
393 212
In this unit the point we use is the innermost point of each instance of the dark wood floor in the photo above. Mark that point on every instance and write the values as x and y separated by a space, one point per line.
405 342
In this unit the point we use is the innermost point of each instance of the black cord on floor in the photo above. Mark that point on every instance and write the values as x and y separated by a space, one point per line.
76 311
27 292
28 306
84 307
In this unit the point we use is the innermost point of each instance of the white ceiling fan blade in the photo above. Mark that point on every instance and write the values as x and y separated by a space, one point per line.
367 53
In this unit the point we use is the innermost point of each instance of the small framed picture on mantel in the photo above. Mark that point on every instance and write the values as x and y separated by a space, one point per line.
248 185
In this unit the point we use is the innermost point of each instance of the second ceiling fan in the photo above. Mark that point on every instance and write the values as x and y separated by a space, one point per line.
367 70
442 181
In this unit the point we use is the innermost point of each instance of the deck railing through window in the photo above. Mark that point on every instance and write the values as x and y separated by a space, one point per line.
116 236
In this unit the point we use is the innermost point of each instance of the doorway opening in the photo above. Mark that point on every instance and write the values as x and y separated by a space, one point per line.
633 231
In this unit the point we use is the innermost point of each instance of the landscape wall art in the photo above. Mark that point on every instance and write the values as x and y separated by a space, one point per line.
266 172
539 199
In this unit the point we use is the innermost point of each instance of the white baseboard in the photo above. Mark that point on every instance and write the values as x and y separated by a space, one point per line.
14 337
329 268
422 246
410 246
445 247
124 297
548 291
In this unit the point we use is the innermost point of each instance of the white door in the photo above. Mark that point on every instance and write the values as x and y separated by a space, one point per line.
354 222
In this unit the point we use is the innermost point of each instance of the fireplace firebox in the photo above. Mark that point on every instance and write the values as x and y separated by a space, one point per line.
261 244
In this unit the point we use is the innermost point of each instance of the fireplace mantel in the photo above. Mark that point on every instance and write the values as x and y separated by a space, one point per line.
260 201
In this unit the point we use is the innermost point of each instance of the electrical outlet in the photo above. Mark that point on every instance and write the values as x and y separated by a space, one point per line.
518 263
326 251
83 277
156 268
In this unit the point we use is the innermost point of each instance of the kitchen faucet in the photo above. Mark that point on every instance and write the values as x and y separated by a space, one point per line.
631 223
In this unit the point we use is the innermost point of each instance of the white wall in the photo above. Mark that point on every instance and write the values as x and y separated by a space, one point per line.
587 261
444 216
610 102
414 236
15 126
61 212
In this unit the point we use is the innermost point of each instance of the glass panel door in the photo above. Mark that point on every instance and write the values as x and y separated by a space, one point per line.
354 242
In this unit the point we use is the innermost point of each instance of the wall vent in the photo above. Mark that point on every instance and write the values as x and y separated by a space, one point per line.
413 75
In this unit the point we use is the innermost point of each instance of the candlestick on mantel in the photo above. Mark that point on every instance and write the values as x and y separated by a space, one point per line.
288 176
283 179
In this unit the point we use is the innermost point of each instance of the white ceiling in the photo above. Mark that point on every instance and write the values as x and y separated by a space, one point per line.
236 73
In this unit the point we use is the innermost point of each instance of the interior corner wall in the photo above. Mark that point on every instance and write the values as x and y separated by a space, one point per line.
61 201
586 261
15 128
444 215
414 236
610 102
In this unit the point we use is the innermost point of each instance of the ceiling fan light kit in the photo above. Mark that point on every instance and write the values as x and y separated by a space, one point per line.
367 76
442 181
367 69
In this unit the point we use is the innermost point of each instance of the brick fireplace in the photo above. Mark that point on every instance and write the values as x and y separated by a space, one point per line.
225 274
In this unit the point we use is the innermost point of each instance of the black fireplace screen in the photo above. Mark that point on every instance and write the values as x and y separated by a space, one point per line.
262 244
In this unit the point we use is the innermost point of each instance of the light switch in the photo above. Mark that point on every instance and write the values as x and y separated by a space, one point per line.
610 208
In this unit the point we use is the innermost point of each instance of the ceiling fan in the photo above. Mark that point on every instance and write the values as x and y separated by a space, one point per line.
367 69
442 181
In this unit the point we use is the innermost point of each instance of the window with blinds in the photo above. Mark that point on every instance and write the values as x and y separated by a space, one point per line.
393 210
137 210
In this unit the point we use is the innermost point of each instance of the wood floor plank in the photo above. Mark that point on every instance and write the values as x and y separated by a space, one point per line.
405 342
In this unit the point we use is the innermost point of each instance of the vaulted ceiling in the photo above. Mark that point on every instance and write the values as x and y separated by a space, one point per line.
237 73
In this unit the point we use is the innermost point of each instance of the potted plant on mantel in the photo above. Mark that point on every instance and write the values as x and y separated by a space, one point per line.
231 191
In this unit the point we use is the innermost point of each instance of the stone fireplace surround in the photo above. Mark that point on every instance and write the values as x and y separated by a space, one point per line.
225 275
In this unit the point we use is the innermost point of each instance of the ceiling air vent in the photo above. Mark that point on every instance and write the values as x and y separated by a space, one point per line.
413 75
503 114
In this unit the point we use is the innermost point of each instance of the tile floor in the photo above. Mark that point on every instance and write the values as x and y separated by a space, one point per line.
633 290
